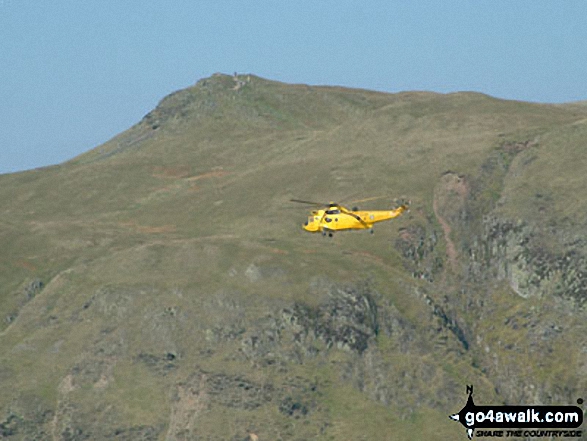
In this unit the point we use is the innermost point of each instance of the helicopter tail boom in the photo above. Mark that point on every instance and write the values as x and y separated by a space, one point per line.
378 216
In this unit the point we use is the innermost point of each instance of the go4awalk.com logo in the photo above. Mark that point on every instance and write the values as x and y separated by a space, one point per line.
520 421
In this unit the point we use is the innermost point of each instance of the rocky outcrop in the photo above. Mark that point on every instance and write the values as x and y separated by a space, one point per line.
513 342
30 290
417 245
348 320
204 392
513 252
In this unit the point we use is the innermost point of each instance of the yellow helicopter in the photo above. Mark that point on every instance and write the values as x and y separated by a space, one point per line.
334 217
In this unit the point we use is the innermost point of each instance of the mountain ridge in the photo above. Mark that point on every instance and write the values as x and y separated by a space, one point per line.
165 269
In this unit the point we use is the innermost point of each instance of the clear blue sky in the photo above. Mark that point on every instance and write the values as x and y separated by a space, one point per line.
74 73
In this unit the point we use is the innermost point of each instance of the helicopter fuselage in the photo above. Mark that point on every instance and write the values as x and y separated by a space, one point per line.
340 218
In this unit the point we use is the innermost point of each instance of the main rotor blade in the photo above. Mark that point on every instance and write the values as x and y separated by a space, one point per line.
318 204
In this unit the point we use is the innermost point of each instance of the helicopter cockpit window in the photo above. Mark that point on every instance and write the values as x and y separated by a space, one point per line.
333 212
310 220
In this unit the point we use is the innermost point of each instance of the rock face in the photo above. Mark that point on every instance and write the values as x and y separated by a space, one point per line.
513 252
546 335
347 321
417 245
495 259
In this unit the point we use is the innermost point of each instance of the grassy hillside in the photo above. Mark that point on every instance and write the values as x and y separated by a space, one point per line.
160 287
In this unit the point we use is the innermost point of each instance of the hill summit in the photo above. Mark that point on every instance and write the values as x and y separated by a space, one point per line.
159 286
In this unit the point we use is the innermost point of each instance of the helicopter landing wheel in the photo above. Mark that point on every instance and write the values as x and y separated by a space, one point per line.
372 231
329 234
